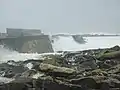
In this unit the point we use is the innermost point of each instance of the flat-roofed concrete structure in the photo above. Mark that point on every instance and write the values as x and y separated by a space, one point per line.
16 32
3 35
26 41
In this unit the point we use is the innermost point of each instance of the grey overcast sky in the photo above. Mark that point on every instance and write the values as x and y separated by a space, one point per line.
61 16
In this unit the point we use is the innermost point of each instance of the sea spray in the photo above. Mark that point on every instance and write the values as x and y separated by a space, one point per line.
61 43
7 54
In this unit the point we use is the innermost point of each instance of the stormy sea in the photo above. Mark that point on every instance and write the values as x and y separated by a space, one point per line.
61 43
91 64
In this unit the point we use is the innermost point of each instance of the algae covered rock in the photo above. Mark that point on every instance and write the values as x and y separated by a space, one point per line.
86 82
56 60
59 71
98 72
110 55
114 69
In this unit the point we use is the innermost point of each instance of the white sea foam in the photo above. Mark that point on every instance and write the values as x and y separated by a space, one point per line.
7 54
60 44
68 44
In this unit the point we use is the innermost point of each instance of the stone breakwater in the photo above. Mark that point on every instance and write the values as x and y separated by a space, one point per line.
97 69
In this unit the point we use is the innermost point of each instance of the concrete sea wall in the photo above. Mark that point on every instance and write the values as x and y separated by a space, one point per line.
28 44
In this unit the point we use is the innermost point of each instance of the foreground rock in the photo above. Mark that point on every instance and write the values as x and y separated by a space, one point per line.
110 55
57 71
85 70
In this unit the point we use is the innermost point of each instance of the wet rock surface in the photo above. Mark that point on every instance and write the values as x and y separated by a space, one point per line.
97 69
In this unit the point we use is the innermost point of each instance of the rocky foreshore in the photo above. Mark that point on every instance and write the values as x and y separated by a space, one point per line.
97 69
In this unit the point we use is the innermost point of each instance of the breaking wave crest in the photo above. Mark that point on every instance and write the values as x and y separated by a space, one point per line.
7 54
